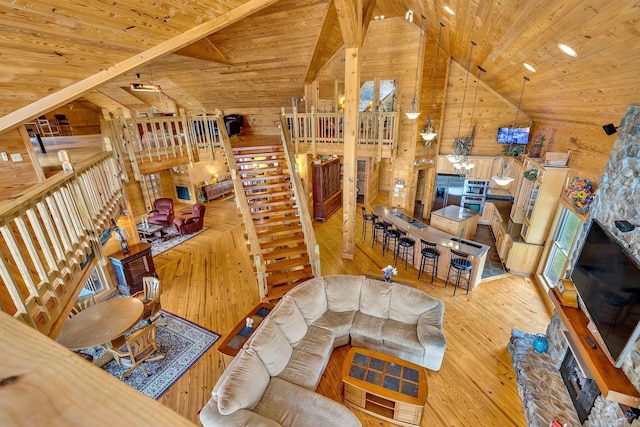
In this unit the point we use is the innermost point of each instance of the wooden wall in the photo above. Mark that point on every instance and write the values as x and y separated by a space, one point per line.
491 112
83 116
17 176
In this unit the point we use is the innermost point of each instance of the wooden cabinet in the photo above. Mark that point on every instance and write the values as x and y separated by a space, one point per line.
129 268
535 205
213 191
327 188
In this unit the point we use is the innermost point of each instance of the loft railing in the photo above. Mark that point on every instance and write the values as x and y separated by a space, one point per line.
378 131
49 241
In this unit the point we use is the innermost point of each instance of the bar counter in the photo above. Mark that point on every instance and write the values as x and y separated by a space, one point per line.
445 242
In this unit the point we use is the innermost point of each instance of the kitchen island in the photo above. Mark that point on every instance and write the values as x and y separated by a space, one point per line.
445 242
455 220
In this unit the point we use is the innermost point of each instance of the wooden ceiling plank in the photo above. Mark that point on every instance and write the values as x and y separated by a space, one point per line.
327 43
204 49
71 92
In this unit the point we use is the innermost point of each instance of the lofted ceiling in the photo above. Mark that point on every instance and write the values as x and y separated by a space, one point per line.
259 53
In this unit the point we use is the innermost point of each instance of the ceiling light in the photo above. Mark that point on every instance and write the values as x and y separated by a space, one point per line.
449 10
429 134
413 114
566 49
529 67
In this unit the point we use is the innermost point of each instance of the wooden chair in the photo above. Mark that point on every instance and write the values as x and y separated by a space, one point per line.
150 297
82 303
138 349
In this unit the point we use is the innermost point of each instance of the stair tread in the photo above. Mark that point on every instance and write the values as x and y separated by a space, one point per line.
287 264
282 253
274 212
282 241
278 230
275 279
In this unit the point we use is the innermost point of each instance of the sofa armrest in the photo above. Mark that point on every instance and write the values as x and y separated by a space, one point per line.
428 334
210 417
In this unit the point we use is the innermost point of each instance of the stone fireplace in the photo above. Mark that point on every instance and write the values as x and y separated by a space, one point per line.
582 389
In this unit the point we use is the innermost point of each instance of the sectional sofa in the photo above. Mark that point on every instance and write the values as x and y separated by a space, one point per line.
272 380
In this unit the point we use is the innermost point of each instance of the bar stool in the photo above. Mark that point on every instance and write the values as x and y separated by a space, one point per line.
462 271
378 227
390 236
430 257
405 248
366 218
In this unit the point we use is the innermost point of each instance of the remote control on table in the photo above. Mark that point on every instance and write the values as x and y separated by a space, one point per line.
590 341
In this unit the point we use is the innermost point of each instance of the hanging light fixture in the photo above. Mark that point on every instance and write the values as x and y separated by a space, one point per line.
460 145
501 179
429 134
413 114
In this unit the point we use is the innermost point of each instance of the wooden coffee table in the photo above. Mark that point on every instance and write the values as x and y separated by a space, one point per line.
233 342
150 233
384 386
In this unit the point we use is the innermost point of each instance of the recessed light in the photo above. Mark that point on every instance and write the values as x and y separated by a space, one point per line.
529 67
566 49
449 10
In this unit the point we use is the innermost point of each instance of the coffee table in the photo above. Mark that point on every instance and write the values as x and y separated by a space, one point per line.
233 342
384 386
150 233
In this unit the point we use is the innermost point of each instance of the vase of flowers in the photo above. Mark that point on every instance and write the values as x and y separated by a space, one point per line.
389 271
581 193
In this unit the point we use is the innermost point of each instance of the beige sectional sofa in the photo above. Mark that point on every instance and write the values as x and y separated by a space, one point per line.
272 380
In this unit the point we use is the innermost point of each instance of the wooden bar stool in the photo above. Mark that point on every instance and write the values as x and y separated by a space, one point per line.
405 248
461 271
430 257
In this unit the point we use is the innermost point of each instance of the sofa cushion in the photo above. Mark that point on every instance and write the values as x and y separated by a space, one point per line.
338 323
402 336
311 298
292 406
343 292
375 298
272 346
304 369
366 331
290 320
407 304
244 384
318 341
211 417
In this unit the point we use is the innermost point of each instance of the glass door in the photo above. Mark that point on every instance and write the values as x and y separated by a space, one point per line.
561 246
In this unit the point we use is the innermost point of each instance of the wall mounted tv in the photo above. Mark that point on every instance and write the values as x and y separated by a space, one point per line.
513 135
607 279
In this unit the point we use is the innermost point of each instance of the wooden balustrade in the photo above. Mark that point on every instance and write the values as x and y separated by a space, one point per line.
49 241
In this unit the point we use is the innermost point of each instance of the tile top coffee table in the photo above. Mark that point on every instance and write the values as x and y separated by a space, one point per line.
150 232
233 342
384 386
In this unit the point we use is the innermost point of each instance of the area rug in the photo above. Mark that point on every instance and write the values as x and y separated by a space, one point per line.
171 239
181 342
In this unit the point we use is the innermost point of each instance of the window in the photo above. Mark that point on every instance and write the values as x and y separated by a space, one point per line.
563 241
386 95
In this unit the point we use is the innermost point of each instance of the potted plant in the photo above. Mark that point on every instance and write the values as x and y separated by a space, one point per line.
536 146
512 150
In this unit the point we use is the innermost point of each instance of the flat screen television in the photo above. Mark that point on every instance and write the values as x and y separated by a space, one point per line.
513 135
607 278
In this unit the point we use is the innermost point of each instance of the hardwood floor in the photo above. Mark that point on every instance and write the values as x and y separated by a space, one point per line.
209 280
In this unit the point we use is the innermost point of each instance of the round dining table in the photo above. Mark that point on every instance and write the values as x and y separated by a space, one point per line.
100 323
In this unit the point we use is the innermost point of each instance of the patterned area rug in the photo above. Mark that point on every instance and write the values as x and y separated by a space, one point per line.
171 239
181 342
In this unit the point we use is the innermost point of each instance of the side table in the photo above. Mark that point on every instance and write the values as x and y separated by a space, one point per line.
129 268
233 342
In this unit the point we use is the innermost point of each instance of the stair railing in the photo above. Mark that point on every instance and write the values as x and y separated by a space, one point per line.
304 214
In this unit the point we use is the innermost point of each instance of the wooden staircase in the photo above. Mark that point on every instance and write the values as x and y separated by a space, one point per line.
266 182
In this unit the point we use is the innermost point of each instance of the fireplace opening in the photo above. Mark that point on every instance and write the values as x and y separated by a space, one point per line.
583 390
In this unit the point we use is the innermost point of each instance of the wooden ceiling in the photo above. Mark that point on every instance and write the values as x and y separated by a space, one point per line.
258 53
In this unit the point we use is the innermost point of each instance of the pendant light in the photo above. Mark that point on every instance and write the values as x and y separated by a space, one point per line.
464 164
501 179
429 134
459 144
413 114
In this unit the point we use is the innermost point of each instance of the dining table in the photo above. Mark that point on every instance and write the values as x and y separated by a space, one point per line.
101 323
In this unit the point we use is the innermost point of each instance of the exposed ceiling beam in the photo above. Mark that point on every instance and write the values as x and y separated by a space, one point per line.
350 18
329 41
76 90
204 49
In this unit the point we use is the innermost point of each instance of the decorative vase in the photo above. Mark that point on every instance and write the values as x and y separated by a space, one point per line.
540 343
387 278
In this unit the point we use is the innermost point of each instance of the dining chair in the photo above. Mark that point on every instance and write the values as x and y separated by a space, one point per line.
139 348
150 297
83 302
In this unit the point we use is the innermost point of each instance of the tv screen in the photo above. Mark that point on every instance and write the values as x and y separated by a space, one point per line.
607 279
513 135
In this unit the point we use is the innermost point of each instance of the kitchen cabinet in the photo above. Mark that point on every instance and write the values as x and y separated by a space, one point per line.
535 205
327 189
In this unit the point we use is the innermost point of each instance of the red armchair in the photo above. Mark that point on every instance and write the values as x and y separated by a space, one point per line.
193 223
162 213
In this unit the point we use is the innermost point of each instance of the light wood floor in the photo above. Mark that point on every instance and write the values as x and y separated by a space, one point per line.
209 280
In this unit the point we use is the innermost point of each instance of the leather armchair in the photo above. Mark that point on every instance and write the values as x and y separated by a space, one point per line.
193 223
162 213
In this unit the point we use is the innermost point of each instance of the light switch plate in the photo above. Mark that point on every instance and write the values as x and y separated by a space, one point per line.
4 156
17 157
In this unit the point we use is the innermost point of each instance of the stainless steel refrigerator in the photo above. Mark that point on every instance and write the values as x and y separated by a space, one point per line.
448 191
